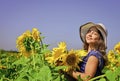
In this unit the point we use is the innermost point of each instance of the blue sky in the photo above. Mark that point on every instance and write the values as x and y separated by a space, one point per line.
58 20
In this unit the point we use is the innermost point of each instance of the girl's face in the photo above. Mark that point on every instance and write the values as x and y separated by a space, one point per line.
92 36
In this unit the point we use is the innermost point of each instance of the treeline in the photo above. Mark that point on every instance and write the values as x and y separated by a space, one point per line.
8 51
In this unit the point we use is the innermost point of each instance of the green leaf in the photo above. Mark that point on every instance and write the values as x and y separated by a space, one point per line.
44 74
108 75
21 77
59 68
22 61
57 79
102 79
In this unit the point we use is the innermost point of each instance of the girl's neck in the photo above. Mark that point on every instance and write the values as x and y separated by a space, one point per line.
91 47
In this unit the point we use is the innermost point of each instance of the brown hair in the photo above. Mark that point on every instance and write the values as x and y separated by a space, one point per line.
100 45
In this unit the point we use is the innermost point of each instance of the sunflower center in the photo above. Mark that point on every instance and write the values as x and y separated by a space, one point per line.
71 59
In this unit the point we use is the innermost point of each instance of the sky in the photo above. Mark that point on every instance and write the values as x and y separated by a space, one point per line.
57 20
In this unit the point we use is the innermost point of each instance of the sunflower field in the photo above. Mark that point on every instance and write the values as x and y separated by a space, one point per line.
35 62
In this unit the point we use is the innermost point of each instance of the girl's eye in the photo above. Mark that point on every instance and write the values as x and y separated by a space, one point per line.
96 33
89 31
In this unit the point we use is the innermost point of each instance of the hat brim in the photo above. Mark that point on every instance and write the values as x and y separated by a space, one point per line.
85 27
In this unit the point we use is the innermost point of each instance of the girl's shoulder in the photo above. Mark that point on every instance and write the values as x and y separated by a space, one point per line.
95 53
99 56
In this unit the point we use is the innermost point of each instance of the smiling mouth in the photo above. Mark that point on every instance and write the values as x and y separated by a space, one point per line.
89 38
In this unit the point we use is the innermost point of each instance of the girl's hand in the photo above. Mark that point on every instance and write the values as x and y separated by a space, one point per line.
75 74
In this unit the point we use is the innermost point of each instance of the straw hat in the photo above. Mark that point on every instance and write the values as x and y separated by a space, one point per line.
85 27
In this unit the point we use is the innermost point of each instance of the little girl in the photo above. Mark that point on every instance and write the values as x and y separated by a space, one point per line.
94 38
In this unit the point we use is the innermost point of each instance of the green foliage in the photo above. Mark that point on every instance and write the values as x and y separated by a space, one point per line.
113 75
16 67
35 68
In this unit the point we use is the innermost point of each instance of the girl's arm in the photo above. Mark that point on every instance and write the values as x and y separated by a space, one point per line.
90 69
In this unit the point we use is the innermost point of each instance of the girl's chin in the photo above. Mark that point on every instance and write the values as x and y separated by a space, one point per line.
90 42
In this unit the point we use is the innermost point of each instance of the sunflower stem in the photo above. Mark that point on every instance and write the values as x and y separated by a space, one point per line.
33 57
42 43
101 76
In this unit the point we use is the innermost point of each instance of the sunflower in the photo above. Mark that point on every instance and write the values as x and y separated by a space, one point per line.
111 56
117 48
60 61
113 59
19 41
72 60
28 42
57 55
27 33
57 52
81 53
36 34
62 45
